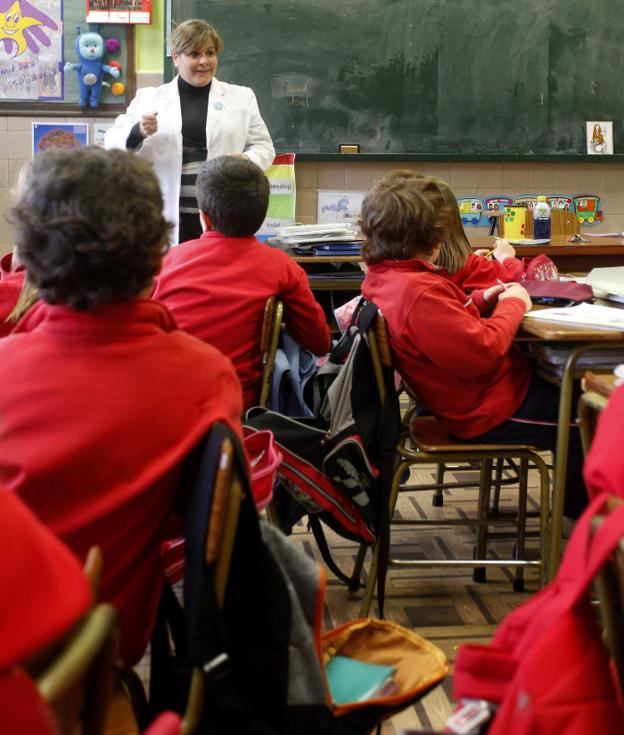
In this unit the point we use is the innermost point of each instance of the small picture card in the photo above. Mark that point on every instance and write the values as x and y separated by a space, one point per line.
58 135
599 138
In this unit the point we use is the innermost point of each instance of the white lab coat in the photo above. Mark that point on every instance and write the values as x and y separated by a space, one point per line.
233 125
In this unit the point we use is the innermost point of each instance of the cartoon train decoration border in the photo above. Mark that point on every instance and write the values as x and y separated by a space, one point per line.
474 210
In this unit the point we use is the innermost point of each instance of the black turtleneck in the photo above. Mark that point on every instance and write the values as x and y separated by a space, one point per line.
194 109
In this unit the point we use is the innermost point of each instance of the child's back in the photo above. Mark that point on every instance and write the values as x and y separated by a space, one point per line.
463 367
217 286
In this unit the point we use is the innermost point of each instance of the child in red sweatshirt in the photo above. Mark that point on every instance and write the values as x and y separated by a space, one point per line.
469 269
216 287
464 367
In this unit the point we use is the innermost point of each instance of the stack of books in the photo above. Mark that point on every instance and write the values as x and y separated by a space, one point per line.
326 239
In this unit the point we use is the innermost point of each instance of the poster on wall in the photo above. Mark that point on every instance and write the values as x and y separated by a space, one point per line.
136 12
67 136
31 49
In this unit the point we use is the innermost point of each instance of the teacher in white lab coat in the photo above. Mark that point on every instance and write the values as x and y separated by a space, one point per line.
193 118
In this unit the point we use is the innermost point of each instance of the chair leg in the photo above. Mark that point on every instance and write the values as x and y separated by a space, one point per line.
500 464
371 582
485 484
523 491
359 563
438 496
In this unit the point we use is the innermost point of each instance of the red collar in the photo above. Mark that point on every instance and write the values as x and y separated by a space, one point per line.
139 316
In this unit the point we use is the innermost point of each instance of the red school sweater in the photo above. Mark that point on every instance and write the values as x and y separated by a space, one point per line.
103 408
216 287
604 465
480 272
10 289
463 367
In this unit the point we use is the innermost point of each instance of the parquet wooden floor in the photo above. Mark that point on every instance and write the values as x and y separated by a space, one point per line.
441 604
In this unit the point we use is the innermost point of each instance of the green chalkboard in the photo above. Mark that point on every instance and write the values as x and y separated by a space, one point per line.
425 76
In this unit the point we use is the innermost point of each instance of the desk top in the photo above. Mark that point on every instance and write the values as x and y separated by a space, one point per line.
551 331
558 245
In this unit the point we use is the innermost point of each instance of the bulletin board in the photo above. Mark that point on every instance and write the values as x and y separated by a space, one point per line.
36 40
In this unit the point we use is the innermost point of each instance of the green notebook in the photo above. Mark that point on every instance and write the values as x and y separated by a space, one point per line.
351 680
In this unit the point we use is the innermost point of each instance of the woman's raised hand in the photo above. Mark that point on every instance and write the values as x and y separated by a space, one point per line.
149 124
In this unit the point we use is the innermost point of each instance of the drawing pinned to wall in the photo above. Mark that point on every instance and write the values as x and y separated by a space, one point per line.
587 208
31 49
470 209
599 137
339 206
526 200
58 135
559 201
135 12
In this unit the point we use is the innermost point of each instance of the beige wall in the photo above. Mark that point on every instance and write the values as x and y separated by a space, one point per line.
480 179
484 179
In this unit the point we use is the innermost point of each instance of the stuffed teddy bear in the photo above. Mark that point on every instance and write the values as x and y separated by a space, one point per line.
90 49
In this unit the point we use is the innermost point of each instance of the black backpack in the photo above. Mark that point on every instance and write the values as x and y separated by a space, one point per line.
263 654
337 467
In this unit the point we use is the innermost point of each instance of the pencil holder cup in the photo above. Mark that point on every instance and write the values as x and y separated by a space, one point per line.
514 222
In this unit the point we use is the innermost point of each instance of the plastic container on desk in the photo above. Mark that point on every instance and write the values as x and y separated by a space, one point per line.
541 219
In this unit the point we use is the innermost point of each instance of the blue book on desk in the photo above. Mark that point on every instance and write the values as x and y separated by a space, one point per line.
337 248
351 680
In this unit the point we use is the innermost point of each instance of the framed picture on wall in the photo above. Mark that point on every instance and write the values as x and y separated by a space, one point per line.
599 137
67 136
31 50
136 12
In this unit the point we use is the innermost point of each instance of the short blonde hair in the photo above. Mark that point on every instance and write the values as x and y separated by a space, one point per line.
193 35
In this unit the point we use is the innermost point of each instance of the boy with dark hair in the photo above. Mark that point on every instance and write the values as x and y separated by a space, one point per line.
464 367
107 395
217 286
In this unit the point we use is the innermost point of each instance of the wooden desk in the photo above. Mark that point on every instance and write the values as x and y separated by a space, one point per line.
581 340
568 257
599 252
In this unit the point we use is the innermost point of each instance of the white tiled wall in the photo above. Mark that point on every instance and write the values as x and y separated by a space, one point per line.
480 179
15 150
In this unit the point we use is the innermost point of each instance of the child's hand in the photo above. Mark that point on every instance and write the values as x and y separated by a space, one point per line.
503 250
516 291
483 252
493 291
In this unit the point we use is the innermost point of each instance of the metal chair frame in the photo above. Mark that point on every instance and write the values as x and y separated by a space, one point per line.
269 341
78 682
412 451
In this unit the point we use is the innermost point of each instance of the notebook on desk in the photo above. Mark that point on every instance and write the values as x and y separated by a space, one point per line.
592 316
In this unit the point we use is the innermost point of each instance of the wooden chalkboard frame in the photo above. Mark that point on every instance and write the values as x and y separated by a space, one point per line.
617 158
17 108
